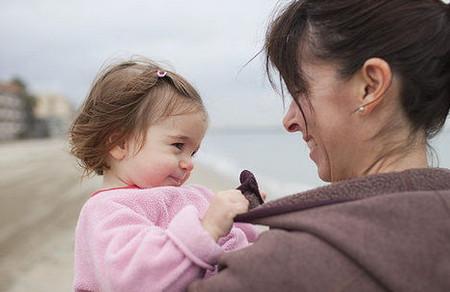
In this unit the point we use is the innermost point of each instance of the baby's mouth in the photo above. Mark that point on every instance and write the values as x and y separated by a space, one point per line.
177 180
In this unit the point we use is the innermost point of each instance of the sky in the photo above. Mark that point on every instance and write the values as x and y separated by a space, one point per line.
59 46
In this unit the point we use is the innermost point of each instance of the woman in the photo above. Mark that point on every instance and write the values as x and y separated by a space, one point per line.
370 82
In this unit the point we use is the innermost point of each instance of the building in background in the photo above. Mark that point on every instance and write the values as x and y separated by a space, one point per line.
56 111
13 111
23 115
12 116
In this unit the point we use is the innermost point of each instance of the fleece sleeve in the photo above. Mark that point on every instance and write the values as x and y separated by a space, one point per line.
240 236
130 253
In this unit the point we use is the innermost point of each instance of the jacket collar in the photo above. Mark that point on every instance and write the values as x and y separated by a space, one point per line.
424 179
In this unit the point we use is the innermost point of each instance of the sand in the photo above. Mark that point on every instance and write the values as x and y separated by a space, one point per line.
40 197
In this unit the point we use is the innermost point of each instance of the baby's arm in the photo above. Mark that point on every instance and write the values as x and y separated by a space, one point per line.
232 236
129 252
241 235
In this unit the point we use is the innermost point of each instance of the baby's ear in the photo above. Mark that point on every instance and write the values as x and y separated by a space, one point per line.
119 151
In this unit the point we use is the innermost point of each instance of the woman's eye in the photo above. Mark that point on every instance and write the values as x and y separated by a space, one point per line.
178 145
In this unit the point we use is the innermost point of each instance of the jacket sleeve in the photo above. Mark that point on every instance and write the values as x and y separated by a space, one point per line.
129 252
240 236
286 261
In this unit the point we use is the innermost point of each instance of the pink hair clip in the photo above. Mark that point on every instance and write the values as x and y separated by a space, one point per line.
161 74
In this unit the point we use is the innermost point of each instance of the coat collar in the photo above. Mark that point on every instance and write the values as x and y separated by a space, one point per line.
424 179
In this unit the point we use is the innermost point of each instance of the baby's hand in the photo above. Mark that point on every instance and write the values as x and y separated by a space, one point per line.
224 206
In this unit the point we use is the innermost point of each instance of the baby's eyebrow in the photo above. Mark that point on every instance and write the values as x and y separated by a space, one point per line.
179 137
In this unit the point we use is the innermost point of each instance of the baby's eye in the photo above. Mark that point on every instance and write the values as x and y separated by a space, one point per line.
178 145
193 153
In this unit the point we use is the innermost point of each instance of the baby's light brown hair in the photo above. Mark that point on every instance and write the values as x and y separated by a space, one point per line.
125 100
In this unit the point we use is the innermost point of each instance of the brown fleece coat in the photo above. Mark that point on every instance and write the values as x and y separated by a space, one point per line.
386 232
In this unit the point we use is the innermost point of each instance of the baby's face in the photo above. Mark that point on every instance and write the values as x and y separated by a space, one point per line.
166 157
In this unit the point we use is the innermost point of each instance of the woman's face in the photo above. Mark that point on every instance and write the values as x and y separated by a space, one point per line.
331 132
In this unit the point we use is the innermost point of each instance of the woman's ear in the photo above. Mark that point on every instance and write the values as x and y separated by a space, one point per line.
119 151
377 79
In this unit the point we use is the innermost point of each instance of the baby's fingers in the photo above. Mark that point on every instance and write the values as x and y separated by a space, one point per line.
241 206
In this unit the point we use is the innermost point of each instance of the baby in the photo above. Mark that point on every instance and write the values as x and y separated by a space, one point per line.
144 230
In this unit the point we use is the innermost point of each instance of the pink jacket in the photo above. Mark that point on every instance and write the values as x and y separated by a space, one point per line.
131 239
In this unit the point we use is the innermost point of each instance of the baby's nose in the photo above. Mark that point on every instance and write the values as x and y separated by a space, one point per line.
186 164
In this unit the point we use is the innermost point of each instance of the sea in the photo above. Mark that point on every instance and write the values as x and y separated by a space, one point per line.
280 160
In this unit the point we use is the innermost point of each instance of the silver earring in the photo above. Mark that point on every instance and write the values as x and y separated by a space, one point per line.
361 109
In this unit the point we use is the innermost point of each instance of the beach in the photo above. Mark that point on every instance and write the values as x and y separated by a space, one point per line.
41 194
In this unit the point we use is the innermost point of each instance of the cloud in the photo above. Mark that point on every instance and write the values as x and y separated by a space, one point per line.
59 46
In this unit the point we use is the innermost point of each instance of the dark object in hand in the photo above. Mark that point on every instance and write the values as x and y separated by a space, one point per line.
249 188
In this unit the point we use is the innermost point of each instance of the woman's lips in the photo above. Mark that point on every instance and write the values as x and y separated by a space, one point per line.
311 145
310 142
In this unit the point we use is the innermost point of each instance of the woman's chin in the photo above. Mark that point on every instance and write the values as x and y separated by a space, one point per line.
323 171
320 159
325 176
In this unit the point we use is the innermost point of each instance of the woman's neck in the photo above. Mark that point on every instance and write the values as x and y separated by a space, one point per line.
413 157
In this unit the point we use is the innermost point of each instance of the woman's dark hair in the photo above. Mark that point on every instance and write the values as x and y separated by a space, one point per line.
413 36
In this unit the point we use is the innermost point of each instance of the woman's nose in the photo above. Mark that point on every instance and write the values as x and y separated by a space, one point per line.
291 120
186 164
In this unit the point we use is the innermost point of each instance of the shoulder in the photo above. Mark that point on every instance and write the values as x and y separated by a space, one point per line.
379 237
269 265
167 198
199 189
130 194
